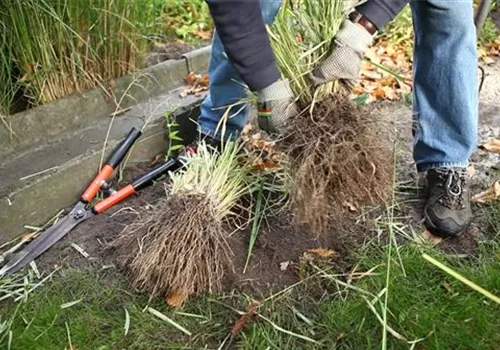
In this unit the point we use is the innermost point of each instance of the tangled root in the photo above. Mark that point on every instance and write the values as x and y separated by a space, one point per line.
177 248
340 159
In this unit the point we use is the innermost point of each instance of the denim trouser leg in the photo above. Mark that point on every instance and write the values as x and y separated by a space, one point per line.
227 89
445 102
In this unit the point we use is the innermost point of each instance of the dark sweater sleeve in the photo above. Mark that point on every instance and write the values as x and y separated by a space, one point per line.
381 12
241 28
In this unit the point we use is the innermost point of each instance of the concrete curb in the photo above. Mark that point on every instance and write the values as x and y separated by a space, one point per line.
76 111
43 134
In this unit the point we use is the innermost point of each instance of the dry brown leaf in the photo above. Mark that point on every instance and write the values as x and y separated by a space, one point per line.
380 84
358 90
379 93
204 80
205 35
471 171
243 320
191 78
323 253
176 299
488 60
352 208
367 66
28 236
427 236
492 146
247 129
157 159
372 74
404 87
390 93
388 81
489 195
265 164
447 287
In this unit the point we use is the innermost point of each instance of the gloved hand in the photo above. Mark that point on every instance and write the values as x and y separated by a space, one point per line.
351 43
276 106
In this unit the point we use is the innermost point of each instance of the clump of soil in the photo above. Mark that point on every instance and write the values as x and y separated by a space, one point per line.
178 248
341 161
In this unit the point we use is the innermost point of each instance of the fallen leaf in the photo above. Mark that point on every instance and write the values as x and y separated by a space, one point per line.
205 35
204 80
28 237
447 287
488 60
471 171
263 164
176 298
243 320
247 129
358 90
284 265
429 237
388 81
352 208
489 195
191 78
372 74
157 159
492 146
379 93
390 93
323 253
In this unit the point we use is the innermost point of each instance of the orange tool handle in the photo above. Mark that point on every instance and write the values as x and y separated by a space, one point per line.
138 184
115 198
96 184
107 170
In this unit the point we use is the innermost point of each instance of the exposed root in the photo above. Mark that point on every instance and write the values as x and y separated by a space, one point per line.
178 248
341 161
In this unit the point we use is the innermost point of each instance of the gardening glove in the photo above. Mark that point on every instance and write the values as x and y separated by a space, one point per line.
276 106
351 43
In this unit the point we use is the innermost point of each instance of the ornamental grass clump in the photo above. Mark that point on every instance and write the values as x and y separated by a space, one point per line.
53 48
179 248
341 158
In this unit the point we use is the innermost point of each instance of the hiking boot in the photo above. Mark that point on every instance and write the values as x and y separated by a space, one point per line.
447 210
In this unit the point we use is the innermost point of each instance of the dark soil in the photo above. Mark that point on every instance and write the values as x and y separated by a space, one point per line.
279 242
94 234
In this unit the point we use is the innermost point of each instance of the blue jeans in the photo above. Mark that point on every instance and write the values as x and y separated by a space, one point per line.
445 101
445 98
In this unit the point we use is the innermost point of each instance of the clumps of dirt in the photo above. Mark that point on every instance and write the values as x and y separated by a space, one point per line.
341 161
178 248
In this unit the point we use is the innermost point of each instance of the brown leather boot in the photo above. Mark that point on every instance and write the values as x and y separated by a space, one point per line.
448 209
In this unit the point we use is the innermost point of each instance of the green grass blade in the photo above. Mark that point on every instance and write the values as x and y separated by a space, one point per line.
462 279
257 219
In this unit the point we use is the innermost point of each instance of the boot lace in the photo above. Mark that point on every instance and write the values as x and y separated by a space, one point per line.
453 182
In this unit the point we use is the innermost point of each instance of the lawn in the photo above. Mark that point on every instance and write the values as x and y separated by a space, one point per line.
424 308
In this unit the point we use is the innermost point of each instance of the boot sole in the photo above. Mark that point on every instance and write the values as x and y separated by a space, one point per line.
439 233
